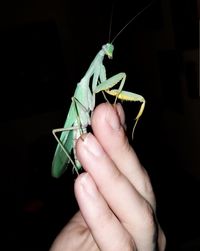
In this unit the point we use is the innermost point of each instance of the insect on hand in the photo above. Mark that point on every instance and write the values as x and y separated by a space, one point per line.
83 103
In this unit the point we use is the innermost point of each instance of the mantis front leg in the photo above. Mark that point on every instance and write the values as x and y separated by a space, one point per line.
112 81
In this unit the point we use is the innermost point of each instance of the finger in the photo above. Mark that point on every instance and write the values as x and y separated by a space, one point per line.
107 124
73 235
161 235
106 229
133 211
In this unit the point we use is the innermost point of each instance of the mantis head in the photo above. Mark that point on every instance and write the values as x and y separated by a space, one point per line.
108 49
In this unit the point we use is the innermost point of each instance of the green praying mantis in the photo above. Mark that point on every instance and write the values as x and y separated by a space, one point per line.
83 103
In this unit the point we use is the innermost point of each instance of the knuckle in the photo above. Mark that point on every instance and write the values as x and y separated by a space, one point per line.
126 243
148 220
148 189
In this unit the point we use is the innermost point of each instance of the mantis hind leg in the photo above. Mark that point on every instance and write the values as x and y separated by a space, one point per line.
58 130
77 127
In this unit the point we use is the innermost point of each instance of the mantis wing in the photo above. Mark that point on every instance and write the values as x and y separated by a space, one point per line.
78 116
61 159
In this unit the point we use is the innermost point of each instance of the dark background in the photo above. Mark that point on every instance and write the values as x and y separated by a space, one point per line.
45 49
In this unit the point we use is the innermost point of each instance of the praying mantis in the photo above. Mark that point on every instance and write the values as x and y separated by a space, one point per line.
83 103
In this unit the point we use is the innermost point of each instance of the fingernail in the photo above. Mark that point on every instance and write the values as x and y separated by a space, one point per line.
92 145
112 118
88 185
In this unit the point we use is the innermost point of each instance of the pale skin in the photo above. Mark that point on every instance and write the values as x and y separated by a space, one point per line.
115 195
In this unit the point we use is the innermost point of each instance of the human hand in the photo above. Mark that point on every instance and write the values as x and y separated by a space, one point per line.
115 196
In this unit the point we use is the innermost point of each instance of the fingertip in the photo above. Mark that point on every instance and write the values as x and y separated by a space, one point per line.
79 183
113 114
84 187
99 111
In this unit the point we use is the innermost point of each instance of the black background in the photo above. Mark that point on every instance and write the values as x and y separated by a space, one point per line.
45 48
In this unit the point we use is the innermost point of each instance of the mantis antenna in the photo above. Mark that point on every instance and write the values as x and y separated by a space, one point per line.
131 20
110 26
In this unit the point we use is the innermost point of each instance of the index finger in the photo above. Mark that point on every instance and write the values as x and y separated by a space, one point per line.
119 149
